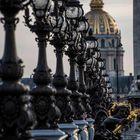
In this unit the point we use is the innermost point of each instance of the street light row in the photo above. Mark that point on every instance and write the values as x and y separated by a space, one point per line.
58 98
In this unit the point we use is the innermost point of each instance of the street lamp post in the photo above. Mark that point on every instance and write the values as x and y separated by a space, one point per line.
81 60
75 27
96 85
48 114
91 61
59 41
14 98
63 96
117 67
82 89
44 102
72 82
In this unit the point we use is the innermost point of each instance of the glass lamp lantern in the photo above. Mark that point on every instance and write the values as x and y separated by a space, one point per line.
73 37
74 9
94 69
103 72
91 41
82 45
91 62
40 7
77 39
106 77
97 54
57 23
94 61
83 25
100 62
108 85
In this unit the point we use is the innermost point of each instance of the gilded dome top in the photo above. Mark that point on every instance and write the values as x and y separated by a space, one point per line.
100 21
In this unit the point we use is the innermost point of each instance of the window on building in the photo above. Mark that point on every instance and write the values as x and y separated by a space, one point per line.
102 43
113 43
114 64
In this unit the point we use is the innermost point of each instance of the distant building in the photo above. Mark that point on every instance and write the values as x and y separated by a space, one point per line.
136 33
134 94
124 85
105 29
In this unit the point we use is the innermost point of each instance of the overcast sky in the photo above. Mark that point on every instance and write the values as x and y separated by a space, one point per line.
121 10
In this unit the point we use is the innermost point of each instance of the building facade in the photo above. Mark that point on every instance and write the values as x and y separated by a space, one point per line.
105 29
136 33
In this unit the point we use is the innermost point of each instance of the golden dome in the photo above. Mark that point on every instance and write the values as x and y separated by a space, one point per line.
96 4
100 21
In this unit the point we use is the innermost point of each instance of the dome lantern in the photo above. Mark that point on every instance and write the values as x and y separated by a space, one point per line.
96 4
100 21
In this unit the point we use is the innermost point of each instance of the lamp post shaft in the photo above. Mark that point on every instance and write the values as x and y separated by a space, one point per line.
59 75
73 85
60 82
14 98
10 47
42 72
42 63
82 85
44 101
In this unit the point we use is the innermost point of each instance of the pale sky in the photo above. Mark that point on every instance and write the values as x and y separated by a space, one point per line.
120 10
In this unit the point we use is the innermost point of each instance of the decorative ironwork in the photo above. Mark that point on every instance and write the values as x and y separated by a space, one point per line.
16 115
46 111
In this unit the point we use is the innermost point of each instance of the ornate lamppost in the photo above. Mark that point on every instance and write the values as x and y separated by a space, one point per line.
74 12
72 52
105 84
91 72
81 122
59 41
103 113
16 115
109 92
91 63
81 60
47 112
94 67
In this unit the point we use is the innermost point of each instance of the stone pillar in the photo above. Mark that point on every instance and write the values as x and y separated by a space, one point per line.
71 129
90 129
136 30
83 126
